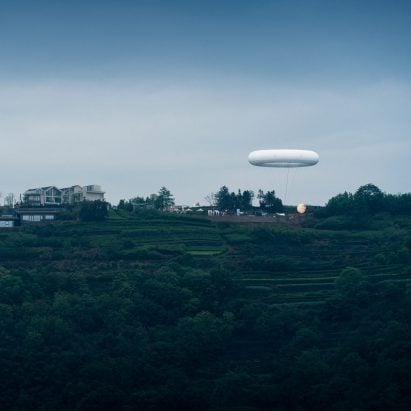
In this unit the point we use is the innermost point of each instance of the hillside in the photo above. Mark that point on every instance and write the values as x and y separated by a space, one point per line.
158 311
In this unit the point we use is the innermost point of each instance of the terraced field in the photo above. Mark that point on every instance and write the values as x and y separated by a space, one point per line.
270 263
278 265
120 238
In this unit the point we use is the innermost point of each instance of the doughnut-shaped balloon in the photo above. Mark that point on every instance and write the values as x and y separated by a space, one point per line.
283 158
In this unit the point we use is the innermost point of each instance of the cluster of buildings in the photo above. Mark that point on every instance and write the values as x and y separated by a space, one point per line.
52 196
43 203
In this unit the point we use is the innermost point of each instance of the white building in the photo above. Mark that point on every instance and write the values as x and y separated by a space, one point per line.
93 193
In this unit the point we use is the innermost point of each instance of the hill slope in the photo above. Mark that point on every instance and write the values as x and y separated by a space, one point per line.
156 311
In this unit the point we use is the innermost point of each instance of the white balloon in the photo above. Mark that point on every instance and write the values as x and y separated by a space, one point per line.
283 158
301 208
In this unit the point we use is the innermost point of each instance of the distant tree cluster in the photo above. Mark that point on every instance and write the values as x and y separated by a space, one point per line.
162 200
368 200
93 210
225 200
243 200
269 202
86 211
365 208
347 209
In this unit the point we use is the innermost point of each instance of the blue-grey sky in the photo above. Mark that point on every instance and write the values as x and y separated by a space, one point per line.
134 95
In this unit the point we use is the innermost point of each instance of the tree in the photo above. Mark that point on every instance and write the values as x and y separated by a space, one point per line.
223 199
340 204
369 197
398 204
350 281
93 210
247 200
211 199
9 200
269 201
234 199
164 199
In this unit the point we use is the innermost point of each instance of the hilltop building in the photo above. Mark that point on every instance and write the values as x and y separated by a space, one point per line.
76 194
43 196
36 214
52 196
45 203
8 218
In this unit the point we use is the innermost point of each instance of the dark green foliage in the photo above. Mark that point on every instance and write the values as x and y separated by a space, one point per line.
269 202
369 198
350 281
398 204
70 212
230 202
128 313
340 204
226 201
351 211
93 210
163 200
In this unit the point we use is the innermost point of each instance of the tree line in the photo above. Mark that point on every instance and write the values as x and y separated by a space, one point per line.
243 200
368 199
223 199
352 209
162 200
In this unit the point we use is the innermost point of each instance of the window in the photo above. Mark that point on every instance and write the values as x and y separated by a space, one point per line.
33 218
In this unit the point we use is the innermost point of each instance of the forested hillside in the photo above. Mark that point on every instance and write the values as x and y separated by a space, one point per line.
154 311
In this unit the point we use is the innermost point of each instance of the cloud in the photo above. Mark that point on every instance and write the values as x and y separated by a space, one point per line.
194 136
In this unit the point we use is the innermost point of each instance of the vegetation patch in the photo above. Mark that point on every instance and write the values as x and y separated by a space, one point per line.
153 311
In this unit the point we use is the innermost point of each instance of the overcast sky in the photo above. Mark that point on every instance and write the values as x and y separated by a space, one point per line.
134 95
